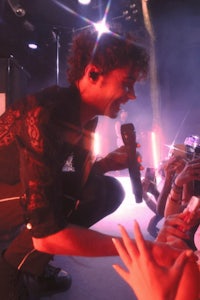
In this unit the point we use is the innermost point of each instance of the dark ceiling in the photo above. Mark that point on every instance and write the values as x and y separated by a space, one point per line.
51 24
177 43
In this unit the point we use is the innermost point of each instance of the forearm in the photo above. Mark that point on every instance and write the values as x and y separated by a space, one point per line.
101 166
115 160
171 207
174 199
150 203
76 241
162 198
189 286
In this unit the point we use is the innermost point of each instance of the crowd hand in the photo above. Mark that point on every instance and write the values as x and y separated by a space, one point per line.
148 278
174 165
145 186
191 213
175 231
190 172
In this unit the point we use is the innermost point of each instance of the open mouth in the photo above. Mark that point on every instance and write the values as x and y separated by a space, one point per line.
116 107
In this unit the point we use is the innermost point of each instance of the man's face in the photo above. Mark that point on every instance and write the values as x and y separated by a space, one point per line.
114 90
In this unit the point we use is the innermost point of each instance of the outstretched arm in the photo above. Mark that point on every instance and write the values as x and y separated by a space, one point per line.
171 168
148 278
77 241
115 160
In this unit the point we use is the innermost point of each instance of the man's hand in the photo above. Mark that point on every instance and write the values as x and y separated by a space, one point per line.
118 159
115 160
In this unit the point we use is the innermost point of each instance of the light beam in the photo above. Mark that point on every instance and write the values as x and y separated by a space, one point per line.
101 26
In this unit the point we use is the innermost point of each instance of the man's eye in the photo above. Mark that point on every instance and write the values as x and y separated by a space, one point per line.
128 86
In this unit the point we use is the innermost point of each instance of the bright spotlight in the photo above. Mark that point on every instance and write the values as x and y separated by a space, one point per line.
96 146
101 27
155 147
84 2
32 46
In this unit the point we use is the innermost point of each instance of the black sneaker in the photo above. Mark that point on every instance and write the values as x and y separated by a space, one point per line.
53 281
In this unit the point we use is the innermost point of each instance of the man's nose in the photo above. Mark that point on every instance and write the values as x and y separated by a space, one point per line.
131 93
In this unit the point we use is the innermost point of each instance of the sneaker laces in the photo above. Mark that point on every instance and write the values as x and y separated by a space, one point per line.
51 271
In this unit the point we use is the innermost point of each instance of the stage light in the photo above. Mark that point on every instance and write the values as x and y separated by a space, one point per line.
84 2
32 46
155 147
101 27
96 146
130 12
17 8
20 12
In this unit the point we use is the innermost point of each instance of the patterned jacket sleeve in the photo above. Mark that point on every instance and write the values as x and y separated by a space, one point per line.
7 127
41 171
26 123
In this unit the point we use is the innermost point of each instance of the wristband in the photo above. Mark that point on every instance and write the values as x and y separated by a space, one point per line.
177 197
175 200
177 189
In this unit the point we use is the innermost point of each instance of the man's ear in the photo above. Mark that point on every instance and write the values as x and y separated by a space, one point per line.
92 72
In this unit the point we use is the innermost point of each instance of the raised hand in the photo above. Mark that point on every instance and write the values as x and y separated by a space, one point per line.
190 172
146 274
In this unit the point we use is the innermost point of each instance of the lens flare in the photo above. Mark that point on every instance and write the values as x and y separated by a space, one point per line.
100 26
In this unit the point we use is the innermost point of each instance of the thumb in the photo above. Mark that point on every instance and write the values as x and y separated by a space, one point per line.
181 261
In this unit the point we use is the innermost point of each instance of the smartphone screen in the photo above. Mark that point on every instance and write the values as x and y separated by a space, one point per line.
150 174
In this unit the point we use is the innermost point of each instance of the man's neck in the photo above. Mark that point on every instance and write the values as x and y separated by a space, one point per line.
87 113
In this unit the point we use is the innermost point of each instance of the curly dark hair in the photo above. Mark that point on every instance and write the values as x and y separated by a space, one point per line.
108 53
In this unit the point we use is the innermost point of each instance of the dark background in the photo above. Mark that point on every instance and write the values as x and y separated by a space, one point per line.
176 25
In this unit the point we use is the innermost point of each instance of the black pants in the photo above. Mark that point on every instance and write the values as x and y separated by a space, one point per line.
101 196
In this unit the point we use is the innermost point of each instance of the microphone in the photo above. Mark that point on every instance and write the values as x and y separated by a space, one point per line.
129 138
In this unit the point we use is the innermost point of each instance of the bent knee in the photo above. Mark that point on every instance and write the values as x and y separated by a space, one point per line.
115 190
